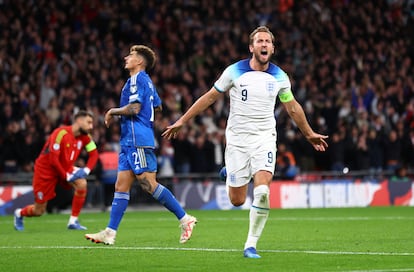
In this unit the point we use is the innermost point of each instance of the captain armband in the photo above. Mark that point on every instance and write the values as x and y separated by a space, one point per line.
286 96
90 146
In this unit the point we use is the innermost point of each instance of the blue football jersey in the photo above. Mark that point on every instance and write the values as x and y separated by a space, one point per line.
137 130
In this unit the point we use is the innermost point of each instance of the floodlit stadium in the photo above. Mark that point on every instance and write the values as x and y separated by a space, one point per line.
348 64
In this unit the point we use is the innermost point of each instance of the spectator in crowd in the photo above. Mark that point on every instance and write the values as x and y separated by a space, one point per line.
399 185
400 174
182 153
361 154
166 159
408 147
337 152
202 155
392 151
109 161
375 152
13 154
286 162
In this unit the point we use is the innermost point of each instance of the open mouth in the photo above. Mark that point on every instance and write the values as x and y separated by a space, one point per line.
263 53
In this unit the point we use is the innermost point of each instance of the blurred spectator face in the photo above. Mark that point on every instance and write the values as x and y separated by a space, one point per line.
372 134
335 137
13 127
281 148
8 111
393 135
200 141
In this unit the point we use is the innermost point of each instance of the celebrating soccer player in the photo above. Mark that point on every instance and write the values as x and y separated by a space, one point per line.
254 85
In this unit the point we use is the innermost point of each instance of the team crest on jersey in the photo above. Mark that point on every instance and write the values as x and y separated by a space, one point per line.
79 144
270 86
133 88
56 146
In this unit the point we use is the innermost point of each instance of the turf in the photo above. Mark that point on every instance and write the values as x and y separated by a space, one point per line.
345 239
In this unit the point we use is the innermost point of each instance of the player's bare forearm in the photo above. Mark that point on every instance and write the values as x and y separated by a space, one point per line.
200 105
296 112
158 109
130 109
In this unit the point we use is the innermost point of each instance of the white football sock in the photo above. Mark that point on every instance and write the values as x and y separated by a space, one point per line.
110 231
185 218
72 219
259 212
18 212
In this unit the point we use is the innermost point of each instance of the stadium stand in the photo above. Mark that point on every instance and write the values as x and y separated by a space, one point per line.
350 62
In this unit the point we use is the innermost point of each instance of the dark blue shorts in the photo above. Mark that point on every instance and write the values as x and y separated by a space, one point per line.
137 159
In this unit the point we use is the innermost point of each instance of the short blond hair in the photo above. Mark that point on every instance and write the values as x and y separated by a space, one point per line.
261 29
147 53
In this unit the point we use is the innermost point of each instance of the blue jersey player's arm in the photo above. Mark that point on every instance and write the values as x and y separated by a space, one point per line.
157 102
159 108
129 109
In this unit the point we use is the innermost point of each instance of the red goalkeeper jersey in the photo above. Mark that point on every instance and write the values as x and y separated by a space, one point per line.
62 150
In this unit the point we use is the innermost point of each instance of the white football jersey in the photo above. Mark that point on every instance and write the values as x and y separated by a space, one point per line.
252 101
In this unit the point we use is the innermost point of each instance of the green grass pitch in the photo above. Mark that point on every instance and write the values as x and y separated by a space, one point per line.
372 239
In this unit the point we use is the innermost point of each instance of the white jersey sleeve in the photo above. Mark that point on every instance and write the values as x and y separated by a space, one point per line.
225 81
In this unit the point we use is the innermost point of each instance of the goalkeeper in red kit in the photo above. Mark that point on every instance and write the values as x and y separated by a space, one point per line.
55 164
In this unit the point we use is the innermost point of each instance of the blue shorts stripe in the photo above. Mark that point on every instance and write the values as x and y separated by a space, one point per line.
142 158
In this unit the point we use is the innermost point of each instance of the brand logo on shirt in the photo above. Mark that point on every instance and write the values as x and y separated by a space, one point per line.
133 88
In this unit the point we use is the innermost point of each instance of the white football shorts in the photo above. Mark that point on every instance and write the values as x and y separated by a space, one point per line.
243 162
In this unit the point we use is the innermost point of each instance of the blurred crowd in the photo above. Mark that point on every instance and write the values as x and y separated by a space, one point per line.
350 64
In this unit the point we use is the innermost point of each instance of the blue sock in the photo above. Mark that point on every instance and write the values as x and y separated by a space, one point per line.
166 198
119 205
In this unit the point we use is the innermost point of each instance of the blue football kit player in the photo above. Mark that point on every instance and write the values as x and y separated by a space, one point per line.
137 161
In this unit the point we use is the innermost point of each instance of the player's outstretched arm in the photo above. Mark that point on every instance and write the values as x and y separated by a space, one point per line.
296 112
200 105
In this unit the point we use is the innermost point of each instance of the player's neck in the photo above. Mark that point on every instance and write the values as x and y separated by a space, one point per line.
257 66
135 71
75 130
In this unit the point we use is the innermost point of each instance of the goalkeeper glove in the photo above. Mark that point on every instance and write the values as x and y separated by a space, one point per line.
78 174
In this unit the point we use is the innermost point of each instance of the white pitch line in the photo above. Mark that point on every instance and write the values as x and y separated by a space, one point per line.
392 218
382 270
214 250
